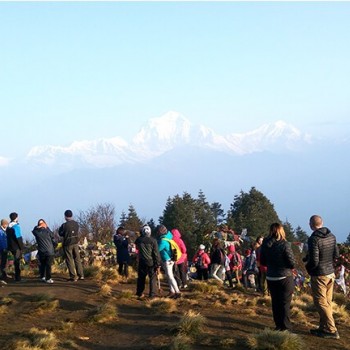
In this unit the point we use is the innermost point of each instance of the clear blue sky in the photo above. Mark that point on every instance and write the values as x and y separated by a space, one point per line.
85 70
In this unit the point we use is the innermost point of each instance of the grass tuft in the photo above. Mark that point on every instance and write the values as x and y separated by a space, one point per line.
105 313
181 342
162 306
191 324
34 339
204 287
105 290
275 340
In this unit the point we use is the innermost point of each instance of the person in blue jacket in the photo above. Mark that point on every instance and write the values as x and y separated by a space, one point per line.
3 249
15 243
168 265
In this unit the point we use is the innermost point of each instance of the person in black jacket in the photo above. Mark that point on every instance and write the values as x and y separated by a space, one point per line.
70 233
121 241
46 249
149 262
277 255
322 253
15 244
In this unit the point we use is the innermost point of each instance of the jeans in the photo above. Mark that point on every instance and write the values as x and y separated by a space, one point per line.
322 293
168 268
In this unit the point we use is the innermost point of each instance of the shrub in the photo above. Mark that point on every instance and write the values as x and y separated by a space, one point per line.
181 342
105 313
105 290
162 306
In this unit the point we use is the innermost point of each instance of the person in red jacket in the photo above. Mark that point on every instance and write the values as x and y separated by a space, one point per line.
201 261
180 267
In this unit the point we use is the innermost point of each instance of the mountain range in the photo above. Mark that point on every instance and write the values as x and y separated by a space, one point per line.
300 174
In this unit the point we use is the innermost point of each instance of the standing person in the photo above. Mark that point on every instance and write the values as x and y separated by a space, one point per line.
121 241
217 259
149 262
322 253
168 264
3 250
70 233
46 249
262 283
15 243
201 262
277 255
181 264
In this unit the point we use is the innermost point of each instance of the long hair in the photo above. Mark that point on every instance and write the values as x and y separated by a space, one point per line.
277 232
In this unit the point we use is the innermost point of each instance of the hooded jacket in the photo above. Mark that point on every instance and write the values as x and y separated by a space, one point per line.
278 257
14 237
3 239
177 238
70 232
322 251
164 246
148 251
45 240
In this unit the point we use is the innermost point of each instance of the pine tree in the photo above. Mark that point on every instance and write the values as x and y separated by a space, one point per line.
289 230
301 235
218 213
122 219
252 211
132 222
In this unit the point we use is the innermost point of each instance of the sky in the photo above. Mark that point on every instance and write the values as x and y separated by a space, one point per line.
86 70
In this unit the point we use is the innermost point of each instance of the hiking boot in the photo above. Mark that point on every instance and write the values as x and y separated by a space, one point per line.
49 281
73 279
81 278
323 334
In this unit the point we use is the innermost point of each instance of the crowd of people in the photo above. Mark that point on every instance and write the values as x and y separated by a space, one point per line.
268 265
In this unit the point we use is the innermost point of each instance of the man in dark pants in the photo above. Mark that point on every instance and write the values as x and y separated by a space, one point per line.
322 253
149 262
15 244
70 233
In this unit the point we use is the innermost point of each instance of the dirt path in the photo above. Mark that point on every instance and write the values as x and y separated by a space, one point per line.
62 304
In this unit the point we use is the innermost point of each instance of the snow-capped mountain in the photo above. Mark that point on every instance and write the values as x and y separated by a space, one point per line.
165 134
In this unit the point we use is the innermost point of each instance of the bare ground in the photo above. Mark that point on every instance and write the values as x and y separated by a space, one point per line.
137 327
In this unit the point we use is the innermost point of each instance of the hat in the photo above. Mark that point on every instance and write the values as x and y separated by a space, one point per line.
68 213
162 229
202 247
146 231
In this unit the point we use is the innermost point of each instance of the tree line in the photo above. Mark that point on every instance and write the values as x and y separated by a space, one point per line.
194 217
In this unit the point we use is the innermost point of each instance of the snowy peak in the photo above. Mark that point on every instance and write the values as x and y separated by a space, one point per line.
166 133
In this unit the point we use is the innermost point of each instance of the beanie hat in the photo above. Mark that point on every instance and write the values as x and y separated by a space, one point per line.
68 213
146 231
202 247
162 229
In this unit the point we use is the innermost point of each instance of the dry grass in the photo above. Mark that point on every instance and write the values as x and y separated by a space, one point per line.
340 299
91 271
340 313
181 342
264 301
204 287
44 303
126 294
298 316
3 309
274 340
6 301
105 313
227 343
191 324
108 275
105 290
34 339
162 306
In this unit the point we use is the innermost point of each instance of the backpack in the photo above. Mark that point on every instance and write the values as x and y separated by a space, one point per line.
199 262
175 250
